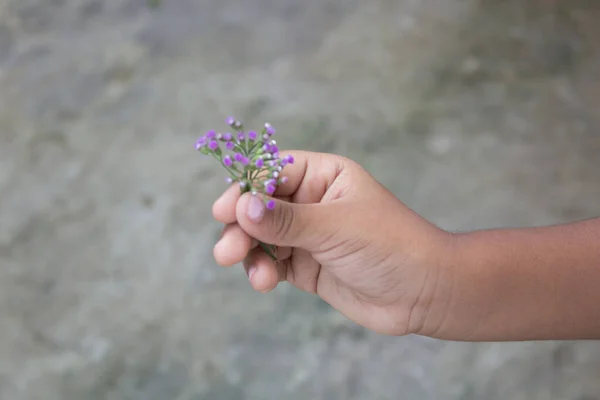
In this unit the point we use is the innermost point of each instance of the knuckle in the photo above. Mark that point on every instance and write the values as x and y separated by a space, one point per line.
284 220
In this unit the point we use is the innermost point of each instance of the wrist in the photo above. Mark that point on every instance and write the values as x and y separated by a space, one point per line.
458 302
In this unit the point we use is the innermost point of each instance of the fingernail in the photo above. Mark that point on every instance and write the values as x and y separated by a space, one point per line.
256 209
251 272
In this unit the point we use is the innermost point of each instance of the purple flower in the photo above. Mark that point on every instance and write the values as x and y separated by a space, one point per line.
269 129
243 162
200 143
270 189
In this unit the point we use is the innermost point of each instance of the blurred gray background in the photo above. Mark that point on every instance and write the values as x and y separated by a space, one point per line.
476 113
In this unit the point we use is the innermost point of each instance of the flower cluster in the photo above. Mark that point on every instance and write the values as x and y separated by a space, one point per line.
252 159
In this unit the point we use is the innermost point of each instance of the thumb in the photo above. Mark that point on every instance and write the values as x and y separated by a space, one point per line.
286 224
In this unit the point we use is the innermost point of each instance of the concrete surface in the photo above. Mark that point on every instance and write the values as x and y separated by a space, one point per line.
477 113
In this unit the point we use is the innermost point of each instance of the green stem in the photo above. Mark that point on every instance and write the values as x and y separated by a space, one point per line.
232 173
269 250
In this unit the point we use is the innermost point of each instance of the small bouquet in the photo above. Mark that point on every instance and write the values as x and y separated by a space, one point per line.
251 159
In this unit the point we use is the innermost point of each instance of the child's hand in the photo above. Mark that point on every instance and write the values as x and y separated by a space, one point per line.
341 235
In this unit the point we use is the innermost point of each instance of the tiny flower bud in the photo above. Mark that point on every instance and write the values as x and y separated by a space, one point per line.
213 145
269 129
210 134
200 143
238 157
252 135
254 193
245 161
227 161
227 136
230 145
270 204
280 168
259 163
230 121
270 189
229 180
284 180
243 184
266 137
276 174
219 136
241 137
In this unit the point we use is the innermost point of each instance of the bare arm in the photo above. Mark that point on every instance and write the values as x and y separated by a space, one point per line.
523 284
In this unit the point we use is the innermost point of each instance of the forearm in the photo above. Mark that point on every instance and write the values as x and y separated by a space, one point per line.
524 284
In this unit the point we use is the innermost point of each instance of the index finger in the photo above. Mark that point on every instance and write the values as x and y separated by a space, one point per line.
309 177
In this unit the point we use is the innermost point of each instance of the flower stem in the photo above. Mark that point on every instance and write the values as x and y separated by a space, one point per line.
269 249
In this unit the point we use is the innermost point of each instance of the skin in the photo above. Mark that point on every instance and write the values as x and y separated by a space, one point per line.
344 237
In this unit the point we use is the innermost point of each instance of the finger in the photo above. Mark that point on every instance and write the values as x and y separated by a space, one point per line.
309 177
287 224
233 246
294 172
263 273
224 207
283 253
303 271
